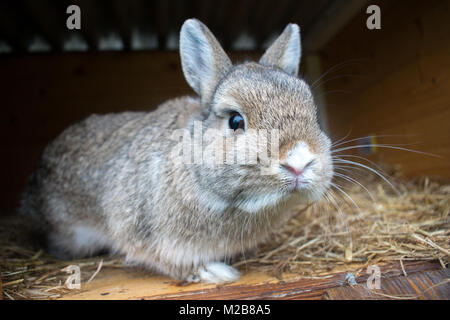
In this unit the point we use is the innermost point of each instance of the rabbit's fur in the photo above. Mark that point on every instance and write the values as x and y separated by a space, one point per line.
110 182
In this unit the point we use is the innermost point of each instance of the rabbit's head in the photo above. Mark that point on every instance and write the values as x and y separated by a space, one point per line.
256 108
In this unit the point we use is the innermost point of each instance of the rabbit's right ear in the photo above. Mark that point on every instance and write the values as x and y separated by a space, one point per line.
203 60
286 51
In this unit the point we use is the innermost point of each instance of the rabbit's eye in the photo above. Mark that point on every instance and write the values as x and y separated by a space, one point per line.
236 121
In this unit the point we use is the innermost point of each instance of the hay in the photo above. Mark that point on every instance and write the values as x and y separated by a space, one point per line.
30 273
411 225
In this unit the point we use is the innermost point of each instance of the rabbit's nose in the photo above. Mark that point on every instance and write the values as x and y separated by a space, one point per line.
293 170
296 170
298 158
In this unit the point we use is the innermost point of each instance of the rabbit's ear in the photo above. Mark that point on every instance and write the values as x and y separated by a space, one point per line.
285 52
202 58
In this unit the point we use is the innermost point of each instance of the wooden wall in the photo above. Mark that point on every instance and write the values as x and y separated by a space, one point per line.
394 81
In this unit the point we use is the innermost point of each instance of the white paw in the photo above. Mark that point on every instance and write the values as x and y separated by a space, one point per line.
217 272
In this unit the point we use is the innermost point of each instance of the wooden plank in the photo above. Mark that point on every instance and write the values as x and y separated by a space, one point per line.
162 10
1 285
305 13
124 14
132 284
17 32
239 16
330 21
218 20
48 19
95 22
276 18
431 285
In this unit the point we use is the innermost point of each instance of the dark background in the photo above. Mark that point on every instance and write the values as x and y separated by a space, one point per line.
394 81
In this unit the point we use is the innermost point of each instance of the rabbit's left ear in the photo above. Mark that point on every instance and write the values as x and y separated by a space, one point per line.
203 60
285 52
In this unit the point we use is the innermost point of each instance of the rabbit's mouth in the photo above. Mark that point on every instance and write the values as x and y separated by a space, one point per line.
297 185
299 178
304 171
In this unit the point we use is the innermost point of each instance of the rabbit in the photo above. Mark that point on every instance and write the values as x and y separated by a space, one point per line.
110 182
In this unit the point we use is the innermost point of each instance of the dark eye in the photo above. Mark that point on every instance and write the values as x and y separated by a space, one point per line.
236 121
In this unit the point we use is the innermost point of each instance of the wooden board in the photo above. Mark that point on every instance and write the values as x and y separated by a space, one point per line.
1 285
133 284
431 285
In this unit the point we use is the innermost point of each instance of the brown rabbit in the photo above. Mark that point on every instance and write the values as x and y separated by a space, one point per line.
116 182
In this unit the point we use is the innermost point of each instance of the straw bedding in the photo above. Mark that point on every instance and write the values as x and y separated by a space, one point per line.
413 224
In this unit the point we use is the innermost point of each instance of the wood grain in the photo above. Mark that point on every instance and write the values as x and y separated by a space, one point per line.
1 285
431 285
127 284
394 81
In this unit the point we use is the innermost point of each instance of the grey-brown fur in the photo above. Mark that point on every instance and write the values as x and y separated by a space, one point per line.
115 173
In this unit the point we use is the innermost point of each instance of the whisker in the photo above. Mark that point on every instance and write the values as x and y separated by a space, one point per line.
378 168
351 170
335 68
345 177
377 136
372 170
341 139
327 197
323 94
339 188
343 218
358 157
338 77
385 146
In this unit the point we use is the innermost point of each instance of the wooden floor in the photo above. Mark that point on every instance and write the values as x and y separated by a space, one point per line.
415 280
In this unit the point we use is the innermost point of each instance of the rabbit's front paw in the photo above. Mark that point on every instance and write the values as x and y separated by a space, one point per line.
215 272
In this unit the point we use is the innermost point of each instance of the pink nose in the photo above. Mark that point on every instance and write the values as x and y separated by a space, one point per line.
295 171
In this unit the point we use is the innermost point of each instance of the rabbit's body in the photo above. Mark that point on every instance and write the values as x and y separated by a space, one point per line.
111 182
108 168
